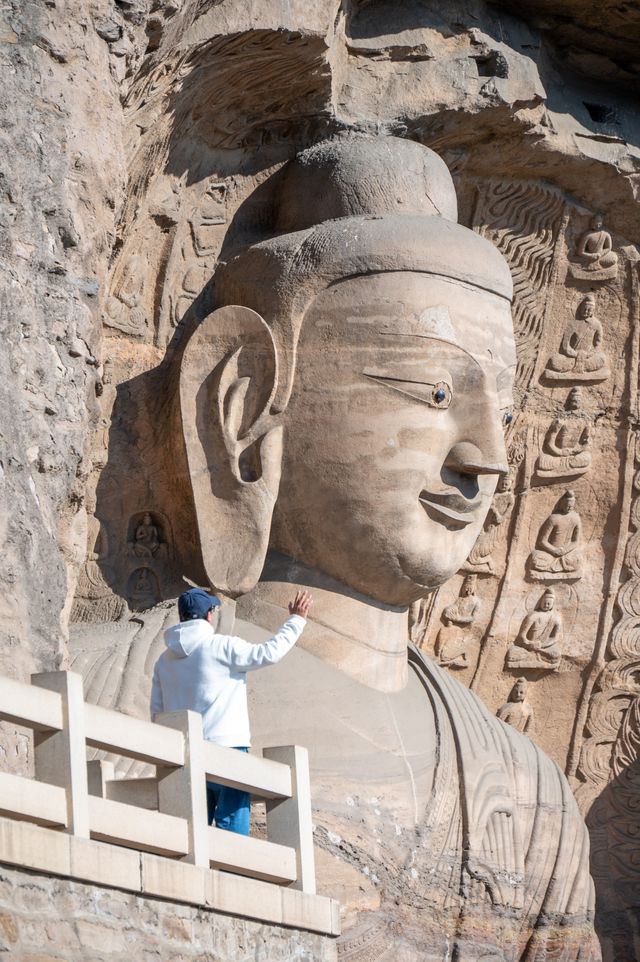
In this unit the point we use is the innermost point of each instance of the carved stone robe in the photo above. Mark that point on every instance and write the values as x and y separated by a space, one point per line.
525 851
445 833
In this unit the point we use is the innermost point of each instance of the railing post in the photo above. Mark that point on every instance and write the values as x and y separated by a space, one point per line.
61 757
182 791
289 819
99 772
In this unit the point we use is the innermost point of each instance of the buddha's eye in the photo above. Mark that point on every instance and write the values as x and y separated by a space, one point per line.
441 395
507 418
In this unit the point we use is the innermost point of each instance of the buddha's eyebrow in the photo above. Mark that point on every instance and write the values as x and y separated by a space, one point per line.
376 375
438 340
412 378
424 337
421 391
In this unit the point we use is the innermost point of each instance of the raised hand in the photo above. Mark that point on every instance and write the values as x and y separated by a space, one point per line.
301 604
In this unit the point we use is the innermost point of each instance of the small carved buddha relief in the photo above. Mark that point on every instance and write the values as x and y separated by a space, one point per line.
146 539
451 642
579 357
480 558
557 553
517 711
143 589
595 258
565 451
537 644
125 309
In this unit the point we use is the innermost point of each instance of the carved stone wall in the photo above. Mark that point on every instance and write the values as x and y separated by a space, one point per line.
137 138
578 658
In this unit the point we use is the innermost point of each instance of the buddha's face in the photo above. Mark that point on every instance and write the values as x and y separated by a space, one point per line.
394 431
546 603
505 483
586 308
574 400
519 690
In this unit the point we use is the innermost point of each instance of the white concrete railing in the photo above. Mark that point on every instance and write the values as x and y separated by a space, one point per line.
166 815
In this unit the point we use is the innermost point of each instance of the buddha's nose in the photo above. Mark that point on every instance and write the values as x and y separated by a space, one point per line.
467 458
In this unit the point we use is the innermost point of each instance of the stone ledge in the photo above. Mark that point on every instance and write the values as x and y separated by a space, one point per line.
55 853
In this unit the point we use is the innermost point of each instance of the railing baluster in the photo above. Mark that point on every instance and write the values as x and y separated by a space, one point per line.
289 819
182 791
99 772
61 756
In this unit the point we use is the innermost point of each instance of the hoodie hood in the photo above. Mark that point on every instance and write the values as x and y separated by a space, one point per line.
183 639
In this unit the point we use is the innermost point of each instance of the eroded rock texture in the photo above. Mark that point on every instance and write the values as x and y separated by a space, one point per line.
139 139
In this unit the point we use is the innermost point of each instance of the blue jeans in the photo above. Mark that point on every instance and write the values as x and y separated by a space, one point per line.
230 808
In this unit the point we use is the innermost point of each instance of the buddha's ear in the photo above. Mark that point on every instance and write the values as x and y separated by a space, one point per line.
228 378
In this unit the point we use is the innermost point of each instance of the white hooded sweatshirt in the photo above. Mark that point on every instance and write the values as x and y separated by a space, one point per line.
207 673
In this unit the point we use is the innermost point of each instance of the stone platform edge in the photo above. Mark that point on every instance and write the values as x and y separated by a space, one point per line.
51 852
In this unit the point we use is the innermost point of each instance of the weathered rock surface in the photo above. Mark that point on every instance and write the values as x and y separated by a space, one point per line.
137 135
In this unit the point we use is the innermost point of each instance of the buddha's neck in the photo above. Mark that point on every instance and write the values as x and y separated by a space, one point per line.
363 638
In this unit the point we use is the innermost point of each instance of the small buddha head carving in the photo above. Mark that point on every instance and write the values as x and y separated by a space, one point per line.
597 222
547 600
567 503
519 690
587 307
344 405
505 483
574 400
469 586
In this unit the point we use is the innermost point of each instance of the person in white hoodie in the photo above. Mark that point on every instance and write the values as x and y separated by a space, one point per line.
206 672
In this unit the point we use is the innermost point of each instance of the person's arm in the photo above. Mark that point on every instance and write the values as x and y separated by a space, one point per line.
243 656
156 705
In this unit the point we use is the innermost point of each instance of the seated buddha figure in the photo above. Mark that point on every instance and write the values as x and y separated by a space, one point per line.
539 638
557 553
516 710
146 541
595 256
341 414
480 558
565 451
579 357
453 636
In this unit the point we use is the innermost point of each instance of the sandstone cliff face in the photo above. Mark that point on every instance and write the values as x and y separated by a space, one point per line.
62 182
137 136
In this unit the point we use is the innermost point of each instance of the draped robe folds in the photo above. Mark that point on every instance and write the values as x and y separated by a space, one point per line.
524 878
491 862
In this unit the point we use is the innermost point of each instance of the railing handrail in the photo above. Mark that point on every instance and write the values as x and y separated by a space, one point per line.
64 725
259 776
144 741
20 705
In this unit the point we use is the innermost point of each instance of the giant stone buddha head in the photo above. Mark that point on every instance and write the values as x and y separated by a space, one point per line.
344 405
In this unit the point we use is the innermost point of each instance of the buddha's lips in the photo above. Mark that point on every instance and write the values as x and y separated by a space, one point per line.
453 506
